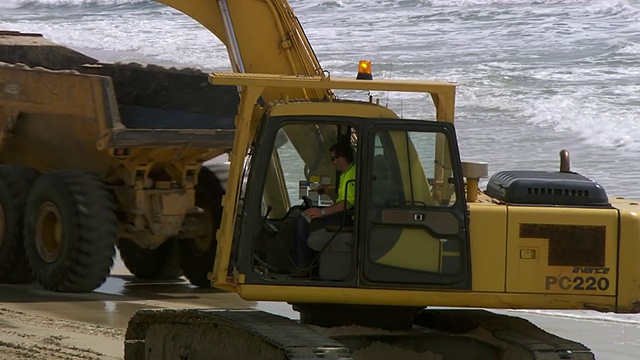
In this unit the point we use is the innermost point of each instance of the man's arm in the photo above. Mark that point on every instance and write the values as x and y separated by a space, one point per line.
326 189
336 208
329 210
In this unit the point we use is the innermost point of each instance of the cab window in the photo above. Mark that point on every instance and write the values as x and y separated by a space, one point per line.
409 168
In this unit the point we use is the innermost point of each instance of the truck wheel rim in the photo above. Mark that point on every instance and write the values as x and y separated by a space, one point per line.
49 232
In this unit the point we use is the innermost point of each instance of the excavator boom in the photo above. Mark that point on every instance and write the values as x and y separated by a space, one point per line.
261 36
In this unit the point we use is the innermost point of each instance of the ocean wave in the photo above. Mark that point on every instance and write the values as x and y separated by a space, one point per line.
65 4
330 4
610 122
612 8
625 48
598 8
631 319
518 2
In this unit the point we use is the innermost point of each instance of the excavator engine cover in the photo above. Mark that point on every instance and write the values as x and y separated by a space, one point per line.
541 187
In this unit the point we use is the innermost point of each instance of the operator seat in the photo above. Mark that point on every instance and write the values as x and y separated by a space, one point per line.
383 186
335 245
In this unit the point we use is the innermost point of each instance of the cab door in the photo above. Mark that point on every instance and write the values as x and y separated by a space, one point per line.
414 231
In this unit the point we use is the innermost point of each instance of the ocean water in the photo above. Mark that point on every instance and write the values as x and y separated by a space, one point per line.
534 76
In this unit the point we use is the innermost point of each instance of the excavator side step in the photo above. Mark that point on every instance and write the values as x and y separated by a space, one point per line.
224 334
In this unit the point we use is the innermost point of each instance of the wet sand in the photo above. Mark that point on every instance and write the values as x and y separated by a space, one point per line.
609 340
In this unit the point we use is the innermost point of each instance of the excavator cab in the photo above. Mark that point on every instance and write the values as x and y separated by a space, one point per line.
406 229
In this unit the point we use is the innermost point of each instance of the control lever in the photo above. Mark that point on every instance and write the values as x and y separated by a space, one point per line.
266 216
271 228
308 203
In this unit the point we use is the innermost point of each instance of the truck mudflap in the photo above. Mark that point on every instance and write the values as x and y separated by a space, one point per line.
250 334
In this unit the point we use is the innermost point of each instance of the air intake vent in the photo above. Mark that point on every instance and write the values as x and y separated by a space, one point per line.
538 187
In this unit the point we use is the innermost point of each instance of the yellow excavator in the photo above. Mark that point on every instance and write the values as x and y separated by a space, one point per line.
419 235
420 240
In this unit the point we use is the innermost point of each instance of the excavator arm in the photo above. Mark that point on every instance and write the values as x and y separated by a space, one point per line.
261 36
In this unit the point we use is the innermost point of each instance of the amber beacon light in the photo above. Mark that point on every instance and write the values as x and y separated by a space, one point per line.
364 70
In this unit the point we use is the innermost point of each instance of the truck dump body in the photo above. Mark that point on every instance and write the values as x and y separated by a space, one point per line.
120 97
59 114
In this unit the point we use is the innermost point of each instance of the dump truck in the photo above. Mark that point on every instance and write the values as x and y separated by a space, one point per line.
421 241
112 155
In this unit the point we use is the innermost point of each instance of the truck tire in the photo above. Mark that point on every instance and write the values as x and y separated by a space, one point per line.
198 254
150 264
15 183
70 231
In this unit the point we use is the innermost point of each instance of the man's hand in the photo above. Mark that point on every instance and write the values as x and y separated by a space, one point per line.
314 213
326 189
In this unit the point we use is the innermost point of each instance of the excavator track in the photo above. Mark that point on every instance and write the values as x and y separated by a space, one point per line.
249 334
517 337
224 334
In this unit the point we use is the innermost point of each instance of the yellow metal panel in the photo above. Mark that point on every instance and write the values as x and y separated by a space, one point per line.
585 268
237 157
415 249
49 92
440 88
628 263
308 108
488 234
57 115
442 93
399 297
